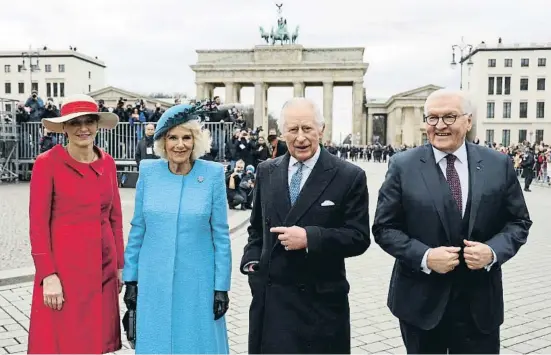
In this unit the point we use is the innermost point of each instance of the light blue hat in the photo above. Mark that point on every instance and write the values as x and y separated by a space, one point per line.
176 115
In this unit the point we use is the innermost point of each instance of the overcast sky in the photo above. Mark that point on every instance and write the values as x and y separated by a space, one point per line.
148 45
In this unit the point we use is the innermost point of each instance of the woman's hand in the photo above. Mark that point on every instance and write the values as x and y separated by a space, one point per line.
131 295
53 292
221 304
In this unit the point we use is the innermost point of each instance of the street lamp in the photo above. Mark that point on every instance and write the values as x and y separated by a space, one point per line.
462 48
33 67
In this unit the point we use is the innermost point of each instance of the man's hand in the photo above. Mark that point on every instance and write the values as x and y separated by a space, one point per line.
477 255
292 238
443 259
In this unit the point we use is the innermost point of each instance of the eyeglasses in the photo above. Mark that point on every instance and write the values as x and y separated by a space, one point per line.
449 119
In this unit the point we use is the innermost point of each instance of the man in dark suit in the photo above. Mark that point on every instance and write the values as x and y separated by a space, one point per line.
310 212
451 213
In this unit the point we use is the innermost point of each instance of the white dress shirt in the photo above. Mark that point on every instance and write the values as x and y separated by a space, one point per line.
292 168
461 165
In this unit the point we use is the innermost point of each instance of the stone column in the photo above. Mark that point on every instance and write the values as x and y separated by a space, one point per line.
369 138
357 109
258 104
200 91
230 93
328 111
208 92
298 89
417 124
237 94
265 105
398 125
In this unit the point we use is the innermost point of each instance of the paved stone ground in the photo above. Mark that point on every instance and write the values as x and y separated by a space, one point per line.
527 327
14 223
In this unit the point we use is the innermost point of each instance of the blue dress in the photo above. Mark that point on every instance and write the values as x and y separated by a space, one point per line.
179 252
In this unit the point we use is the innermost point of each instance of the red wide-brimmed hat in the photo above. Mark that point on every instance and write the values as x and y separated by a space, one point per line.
76 106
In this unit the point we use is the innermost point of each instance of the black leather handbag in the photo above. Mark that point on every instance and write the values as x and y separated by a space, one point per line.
129 325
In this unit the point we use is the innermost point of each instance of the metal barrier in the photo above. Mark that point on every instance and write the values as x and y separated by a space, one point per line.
9 159
119 142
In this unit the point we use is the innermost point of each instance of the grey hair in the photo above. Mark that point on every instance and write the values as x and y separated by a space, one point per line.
297 101
201 141
467 106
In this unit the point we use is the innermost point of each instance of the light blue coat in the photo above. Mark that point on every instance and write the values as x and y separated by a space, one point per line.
179 252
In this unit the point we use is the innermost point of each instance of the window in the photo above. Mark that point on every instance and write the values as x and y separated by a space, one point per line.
507 90
491 81
89 88
491 63
542 62
521 135
34 86
490 136
55 90
541 84
89 75
61 89
525 62
499 85
8 107
539 136
7 68
523 84
523 110
540 109
61 68
21 88
507 109
49 89
7 88
19 68
48 68
490 109
424 138
508 63
506 138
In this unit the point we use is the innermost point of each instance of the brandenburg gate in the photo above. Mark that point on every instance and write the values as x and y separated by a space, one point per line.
284 64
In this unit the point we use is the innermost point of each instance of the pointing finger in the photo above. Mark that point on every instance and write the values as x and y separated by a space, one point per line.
278 229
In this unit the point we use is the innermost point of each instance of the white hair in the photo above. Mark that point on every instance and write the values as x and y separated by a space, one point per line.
466 103
201 140
297 101
467 106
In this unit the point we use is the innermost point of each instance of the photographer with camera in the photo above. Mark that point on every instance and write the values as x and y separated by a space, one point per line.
244 147
234 194
50 110
36 106
154 117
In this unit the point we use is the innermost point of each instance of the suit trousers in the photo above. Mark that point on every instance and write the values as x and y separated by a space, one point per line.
455 334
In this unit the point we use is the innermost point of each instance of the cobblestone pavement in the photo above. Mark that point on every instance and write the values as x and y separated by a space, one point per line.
527 327
14 223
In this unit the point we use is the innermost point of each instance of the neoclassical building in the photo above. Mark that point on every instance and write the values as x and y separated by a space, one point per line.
399 119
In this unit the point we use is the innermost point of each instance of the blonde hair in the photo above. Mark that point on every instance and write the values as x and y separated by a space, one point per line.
201 140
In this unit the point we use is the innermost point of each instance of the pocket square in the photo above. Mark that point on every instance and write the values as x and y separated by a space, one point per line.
327 203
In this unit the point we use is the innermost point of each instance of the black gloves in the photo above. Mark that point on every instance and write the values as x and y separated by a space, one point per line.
131 295
221 303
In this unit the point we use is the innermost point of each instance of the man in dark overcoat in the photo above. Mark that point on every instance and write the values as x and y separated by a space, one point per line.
451 213
310 212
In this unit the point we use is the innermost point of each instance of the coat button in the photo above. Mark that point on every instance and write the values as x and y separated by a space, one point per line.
302 287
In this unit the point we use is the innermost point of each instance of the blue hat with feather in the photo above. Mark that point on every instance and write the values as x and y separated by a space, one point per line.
175 116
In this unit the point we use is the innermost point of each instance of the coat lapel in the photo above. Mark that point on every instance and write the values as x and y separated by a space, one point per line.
476 183
429 171
318 180
279 182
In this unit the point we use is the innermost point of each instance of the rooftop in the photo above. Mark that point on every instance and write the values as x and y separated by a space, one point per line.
46 52
503 46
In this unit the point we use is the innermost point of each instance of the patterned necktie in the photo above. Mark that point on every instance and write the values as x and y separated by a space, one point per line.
294 186
453 180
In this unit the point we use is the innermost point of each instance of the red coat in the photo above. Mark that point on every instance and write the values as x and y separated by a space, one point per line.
76 231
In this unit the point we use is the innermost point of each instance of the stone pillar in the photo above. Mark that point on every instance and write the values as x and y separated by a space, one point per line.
357 109
237 92
230 93
265 105
328 111
369 138
417 124
200 91
208 93
258 104
298 89
398 126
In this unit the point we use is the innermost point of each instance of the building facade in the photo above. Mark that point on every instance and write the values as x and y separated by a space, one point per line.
55 74
508 83
398 120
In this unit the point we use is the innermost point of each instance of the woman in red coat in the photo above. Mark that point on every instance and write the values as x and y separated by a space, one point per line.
76 238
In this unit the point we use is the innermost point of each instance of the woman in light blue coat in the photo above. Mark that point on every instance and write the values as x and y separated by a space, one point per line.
177 267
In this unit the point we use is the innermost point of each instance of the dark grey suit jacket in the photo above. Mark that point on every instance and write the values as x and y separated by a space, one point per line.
410 219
